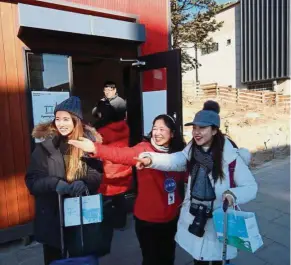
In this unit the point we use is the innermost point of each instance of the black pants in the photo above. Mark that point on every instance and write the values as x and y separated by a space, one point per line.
51 254
119 212
200 262
157 241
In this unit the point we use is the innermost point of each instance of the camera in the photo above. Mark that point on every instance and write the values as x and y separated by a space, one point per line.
201 213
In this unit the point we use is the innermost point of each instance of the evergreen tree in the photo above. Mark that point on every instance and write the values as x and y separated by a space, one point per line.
192 22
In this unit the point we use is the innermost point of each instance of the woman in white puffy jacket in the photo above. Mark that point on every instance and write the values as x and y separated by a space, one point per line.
207 158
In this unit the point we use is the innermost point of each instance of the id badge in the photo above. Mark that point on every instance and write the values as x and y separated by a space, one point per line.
170 185
171 198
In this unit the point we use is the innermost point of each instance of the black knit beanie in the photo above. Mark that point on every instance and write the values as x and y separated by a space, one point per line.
71 105
111 111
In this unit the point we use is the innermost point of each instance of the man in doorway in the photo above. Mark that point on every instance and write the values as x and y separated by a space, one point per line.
111 95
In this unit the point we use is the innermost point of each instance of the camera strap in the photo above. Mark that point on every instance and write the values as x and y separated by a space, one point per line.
212 205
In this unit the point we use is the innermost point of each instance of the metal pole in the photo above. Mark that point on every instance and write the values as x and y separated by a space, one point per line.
196 69
224 249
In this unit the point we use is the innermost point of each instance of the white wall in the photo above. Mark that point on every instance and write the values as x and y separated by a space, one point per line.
223 66
284 87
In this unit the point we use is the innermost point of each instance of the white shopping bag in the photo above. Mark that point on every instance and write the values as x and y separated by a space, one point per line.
242 229
91 209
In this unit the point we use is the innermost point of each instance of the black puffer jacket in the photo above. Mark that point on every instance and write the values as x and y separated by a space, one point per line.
46 168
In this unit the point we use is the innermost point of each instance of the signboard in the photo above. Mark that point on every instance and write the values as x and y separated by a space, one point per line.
43 104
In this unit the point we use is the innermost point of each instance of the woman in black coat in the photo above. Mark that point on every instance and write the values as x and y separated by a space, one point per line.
56 168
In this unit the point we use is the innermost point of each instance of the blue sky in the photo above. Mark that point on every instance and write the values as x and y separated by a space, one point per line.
222 1
219 2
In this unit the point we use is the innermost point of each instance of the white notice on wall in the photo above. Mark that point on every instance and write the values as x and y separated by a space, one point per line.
154 104
43 104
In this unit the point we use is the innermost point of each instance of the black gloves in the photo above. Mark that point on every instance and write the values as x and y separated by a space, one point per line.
63 187
78 188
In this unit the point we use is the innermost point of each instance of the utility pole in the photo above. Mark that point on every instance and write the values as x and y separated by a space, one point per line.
196 69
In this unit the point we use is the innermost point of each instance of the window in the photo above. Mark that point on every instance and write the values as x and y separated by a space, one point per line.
204 51
228 42
49 82
261 86
48 72
210 48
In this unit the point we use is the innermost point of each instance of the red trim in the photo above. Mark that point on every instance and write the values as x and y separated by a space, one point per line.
231 168
152 13
82 9
155 80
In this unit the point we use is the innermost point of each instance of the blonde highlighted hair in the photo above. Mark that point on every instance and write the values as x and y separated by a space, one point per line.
76 169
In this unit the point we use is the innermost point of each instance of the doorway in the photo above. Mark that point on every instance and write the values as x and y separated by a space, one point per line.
88 77
151 84
54 77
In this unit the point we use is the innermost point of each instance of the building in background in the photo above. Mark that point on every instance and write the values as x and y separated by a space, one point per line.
265 44
251 50
221 63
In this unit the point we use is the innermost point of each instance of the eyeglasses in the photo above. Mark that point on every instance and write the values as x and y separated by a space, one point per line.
108 89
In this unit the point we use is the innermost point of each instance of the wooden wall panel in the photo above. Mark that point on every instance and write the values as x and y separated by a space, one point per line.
8 157
26 203
14 133
3 133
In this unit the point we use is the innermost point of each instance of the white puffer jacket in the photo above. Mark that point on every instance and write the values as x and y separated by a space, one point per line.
208 247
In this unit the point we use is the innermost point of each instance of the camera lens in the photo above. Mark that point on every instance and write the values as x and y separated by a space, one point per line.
199 222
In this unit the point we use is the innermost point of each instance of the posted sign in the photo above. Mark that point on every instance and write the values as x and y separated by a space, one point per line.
43 104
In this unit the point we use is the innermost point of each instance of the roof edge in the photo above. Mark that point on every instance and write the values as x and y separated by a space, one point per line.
228 6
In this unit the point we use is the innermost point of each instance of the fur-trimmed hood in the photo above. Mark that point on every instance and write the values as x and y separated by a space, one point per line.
46 130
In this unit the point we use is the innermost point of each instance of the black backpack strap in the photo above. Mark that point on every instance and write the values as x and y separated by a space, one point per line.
232 142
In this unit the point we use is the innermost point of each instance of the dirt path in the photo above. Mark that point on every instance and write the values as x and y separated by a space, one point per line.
265 131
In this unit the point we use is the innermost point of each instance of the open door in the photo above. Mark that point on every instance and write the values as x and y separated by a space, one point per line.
153 86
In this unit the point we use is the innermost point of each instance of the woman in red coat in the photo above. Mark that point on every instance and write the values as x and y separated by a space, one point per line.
117 177
159 195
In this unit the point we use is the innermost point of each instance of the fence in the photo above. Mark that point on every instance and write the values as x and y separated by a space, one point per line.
238 96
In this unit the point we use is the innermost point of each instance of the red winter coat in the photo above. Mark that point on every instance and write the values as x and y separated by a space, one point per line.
117 177
152 200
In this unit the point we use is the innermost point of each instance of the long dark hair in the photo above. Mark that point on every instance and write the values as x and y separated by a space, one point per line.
177 143
216 149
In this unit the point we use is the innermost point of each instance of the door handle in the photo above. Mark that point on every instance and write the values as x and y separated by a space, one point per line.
175 116
134 62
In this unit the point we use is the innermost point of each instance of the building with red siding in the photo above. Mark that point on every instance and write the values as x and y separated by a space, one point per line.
50 49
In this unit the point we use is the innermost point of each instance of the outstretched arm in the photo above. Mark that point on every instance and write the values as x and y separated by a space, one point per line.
118 155
165 162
